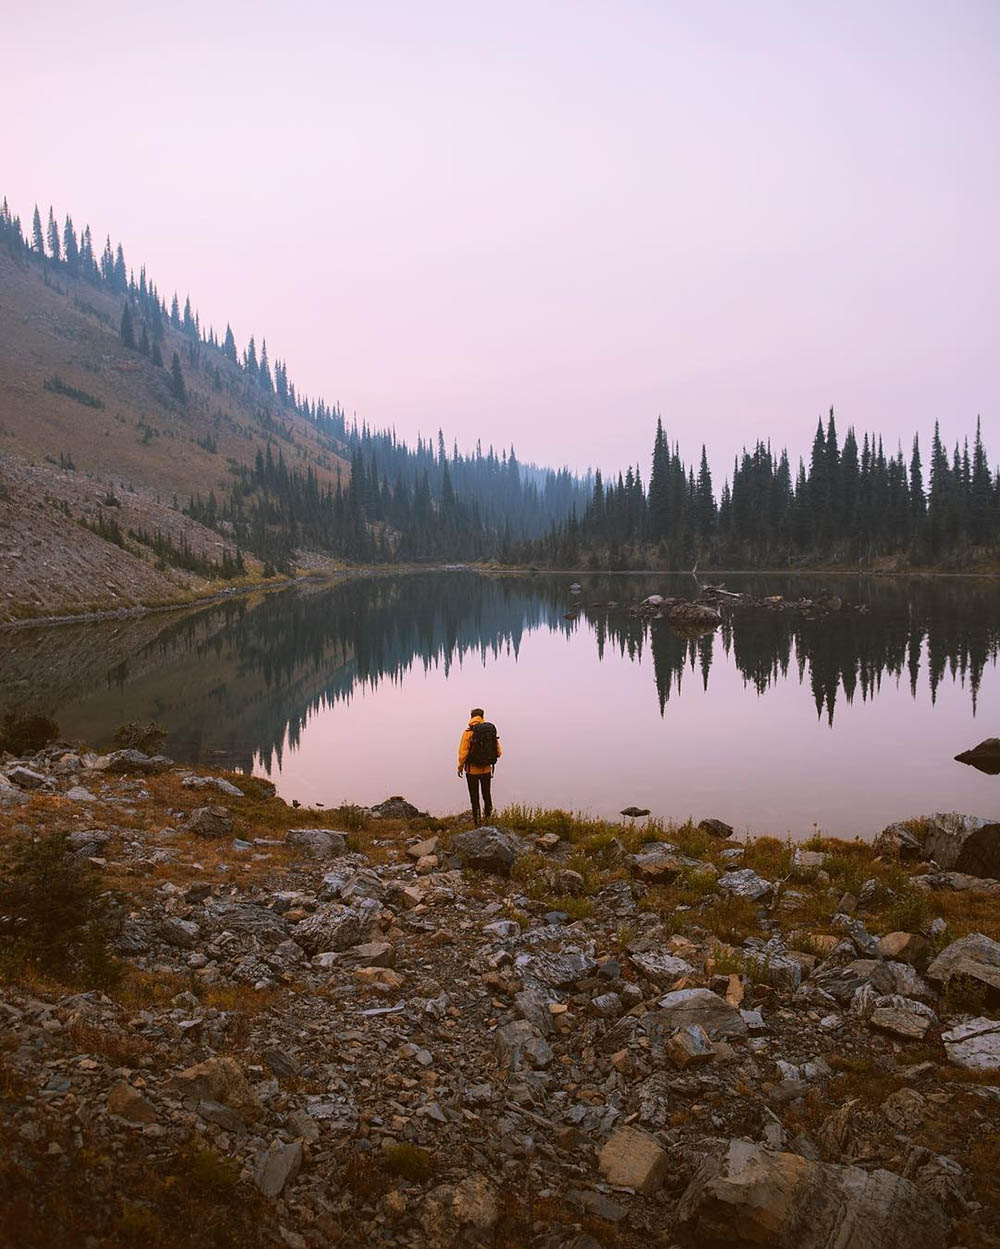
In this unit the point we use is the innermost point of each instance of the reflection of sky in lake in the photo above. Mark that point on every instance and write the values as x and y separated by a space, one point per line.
357 690
588 735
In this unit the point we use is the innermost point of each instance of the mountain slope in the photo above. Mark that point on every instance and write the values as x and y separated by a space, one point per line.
91 432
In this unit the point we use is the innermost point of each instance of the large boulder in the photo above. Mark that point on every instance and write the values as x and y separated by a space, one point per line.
212 823
318 843
246 920
694 617
332 928
745 883
967 844
119 761
746 1195
964 843
685 1007
974 1045
975 957
488 849
660 862
395 808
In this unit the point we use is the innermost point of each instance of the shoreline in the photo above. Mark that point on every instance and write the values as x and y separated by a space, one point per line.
334 575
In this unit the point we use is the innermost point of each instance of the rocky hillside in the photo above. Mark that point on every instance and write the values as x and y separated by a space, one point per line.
89 428
372 1027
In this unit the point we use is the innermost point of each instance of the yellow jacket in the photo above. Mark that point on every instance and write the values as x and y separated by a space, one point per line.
463 751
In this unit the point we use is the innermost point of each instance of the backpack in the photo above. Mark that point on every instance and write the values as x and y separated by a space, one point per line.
483 751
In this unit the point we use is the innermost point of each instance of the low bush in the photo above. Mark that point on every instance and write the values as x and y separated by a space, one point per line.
24 734
54 916
134 735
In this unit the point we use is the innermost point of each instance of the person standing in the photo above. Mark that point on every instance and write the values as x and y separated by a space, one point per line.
478 752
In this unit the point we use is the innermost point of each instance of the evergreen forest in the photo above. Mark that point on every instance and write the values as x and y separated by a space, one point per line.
854 503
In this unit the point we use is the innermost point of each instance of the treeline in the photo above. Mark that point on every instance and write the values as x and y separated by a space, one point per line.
408 502
854 504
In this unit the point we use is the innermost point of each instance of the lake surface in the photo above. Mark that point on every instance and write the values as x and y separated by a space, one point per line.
777 722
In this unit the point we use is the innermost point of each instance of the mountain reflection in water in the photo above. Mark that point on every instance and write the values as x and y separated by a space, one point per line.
245 684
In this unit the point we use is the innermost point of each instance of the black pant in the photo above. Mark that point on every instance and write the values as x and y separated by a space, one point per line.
476 783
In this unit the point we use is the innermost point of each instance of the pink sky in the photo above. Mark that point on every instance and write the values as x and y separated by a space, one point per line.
547 225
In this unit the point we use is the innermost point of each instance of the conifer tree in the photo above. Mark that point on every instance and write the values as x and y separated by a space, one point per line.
175 313
55 250
229 345
37 237
71 251
126 331
177 387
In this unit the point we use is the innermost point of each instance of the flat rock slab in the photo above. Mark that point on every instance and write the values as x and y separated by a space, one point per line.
974 1045
747 1195
276 1167
320 843
745 883
632 1158
976 957
661 968
212 823
685 1007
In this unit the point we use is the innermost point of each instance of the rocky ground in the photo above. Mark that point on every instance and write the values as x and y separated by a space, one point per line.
378 1028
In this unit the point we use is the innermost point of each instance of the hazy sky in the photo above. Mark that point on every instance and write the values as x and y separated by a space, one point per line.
547 223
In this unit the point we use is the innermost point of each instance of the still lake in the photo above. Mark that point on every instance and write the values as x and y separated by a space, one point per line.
776 722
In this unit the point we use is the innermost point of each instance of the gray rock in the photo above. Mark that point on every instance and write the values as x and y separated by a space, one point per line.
560 969
533 1004
246 919
606 1005
395 808
518 1041
661 862
842 982
212 823
902 1021
661 968
744 1194
716 828
218 783
487 849
119 761
276 1167
963 843
222 1116
339 1114
745 883
26 778
654 1099
79 794
974 1045
975 956
337 927
183 933
694 1006
320 843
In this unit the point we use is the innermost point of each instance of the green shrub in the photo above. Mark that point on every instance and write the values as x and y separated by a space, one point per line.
134 735
908 913
53 914
24 734
409 1162
354 818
